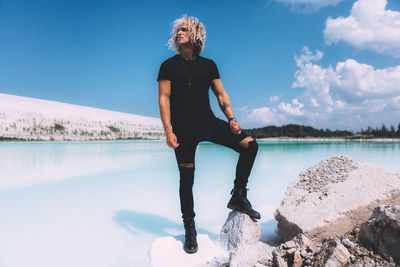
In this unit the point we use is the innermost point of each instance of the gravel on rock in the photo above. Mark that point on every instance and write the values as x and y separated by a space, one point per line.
332 170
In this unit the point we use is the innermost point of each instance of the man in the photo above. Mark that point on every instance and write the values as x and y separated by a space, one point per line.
184 81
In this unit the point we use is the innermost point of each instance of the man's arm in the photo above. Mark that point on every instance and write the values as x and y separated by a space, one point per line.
164 93
225 104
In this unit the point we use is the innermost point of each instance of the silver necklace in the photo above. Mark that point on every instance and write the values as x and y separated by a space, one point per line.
187 74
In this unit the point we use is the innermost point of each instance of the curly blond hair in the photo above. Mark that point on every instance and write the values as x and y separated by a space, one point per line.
197 33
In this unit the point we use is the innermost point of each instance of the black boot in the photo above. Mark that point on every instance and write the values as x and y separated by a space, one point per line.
190 245
239 202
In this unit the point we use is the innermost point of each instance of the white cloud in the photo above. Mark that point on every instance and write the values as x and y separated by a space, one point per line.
309 5
350 95
369 25
264 115
274 98
370 83
307 56
292 109
314 77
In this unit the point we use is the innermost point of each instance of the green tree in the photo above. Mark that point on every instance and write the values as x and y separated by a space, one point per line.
392 131
398 130
58 127
384 131
369 130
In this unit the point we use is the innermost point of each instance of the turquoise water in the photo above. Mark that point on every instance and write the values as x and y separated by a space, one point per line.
104 203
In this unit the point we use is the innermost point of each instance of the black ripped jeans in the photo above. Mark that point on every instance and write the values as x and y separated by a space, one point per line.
218 132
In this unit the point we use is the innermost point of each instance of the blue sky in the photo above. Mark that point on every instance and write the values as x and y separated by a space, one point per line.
334 64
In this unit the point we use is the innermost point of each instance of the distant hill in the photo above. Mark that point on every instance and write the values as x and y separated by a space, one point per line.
24 118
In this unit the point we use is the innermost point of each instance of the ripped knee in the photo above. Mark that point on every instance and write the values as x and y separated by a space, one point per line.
186 165
186 171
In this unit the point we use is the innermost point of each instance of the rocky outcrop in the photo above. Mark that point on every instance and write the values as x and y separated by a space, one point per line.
332 251
240 237
332 254
333 196
296 252
361 256
382 231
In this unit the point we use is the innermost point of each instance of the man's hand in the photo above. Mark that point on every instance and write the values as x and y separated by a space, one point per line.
235 127
172 141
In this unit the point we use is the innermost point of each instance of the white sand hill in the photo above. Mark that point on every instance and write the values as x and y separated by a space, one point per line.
36 119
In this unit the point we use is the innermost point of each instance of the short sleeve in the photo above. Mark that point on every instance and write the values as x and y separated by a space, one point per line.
165 72
214 74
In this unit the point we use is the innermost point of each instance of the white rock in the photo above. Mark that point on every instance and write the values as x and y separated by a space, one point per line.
303 242
340 256
249 255
297 259
291 250
243 256
239 230
279 261
348 243
290 244
168 252
240 237
264 252
343 195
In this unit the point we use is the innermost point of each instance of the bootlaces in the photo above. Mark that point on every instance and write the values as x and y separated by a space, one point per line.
240 191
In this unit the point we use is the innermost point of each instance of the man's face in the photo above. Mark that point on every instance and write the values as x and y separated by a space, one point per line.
183 35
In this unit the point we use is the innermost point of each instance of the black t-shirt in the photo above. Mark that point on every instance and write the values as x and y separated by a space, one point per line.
190 106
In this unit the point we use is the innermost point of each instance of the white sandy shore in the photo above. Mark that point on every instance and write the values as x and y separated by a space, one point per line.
25 118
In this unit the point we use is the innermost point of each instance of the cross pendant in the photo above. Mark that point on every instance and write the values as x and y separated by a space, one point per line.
189 83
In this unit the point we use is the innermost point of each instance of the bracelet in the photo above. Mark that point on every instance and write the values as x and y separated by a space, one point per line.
231 119
168 132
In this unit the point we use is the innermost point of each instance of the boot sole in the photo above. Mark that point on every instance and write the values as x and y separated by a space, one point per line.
191 251
233 207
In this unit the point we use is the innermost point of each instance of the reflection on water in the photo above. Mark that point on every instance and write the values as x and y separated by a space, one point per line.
24 164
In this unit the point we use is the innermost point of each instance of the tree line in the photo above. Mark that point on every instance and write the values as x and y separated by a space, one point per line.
302 131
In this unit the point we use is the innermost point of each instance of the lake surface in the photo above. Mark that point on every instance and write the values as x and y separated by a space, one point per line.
104 203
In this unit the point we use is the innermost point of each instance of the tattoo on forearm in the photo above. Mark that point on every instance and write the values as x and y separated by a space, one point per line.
224 106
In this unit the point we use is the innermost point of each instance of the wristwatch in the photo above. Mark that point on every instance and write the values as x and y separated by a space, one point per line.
231 119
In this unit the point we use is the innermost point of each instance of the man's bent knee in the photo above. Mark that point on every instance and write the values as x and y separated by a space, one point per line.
245 142
253 146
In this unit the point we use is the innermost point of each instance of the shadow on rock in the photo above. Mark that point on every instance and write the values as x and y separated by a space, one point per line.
134 222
